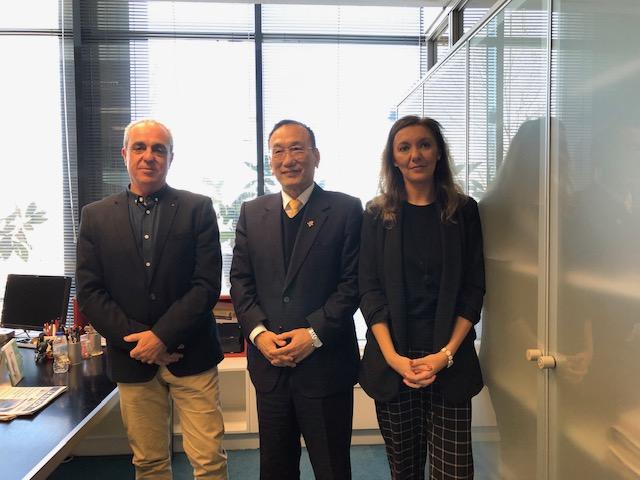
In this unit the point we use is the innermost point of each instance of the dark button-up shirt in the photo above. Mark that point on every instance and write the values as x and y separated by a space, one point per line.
144 214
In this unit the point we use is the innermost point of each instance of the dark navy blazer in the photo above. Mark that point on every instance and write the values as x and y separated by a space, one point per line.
116 297
318 290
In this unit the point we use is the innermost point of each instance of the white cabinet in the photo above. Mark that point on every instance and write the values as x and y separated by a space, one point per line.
364 410
237 396
238 400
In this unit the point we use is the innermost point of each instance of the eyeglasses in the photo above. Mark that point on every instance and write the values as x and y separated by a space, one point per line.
139 148
295 151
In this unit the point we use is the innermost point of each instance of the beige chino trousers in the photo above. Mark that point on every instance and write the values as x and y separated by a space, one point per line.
146 416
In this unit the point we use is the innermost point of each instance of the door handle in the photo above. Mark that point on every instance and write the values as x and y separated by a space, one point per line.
546 361
533 354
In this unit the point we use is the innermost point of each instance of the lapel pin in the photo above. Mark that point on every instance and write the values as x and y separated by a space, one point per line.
310 223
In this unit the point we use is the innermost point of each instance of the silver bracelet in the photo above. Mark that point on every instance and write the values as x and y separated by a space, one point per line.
449 355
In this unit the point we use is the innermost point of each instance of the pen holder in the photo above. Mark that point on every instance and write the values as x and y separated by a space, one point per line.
75 352
96 347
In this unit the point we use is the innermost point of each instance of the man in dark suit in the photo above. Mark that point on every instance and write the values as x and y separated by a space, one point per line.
294 289
148 275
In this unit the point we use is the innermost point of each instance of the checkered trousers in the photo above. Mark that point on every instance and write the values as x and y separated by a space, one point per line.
418 421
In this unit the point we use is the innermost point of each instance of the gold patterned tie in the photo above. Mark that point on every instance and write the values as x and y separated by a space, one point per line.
294 207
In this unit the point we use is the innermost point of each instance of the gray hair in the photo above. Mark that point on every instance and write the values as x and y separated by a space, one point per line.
151 121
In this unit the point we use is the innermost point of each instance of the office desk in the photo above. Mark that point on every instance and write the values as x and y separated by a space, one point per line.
32 447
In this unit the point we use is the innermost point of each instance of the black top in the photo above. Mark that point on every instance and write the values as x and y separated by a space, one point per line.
422 266
290 227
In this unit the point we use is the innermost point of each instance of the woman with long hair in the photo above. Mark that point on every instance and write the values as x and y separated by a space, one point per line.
421 284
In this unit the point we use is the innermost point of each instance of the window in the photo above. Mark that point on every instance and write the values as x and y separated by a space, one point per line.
490 95
193 66
189 65
218 74
204 90
445 97
341 70
442 44
38 175
473 11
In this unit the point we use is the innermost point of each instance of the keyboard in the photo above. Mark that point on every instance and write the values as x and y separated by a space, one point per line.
25 343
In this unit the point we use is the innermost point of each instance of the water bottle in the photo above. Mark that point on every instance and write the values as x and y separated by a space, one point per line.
60 354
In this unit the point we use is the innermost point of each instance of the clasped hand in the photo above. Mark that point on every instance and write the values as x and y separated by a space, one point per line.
286 349
150 349
420 372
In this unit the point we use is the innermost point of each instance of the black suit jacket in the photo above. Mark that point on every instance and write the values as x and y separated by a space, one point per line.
462 288
319 289
176 304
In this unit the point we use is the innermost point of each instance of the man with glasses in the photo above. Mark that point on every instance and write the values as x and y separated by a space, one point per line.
148 275
294 289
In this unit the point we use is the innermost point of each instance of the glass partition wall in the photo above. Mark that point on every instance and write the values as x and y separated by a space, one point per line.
540 106
595 218
507 120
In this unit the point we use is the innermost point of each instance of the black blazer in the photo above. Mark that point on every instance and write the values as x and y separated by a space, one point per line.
319 289
114 295
462 288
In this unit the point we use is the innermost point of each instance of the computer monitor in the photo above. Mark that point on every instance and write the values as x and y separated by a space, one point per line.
32 300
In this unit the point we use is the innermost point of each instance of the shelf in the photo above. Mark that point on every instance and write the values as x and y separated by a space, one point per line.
233 364
235 421
234 394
